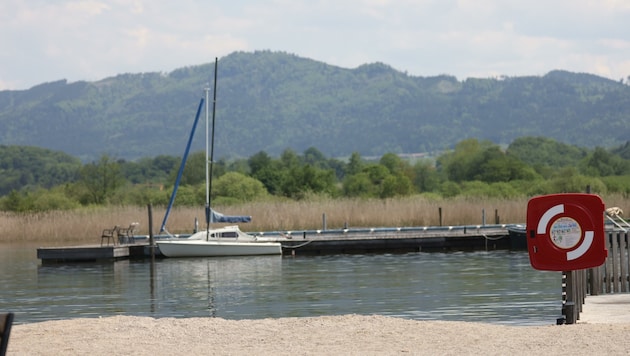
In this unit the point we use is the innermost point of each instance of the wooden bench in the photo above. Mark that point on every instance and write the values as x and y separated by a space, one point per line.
110 234
6 320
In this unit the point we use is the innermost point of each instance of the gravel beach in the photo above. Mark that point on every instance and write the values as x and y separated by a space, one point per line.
326 335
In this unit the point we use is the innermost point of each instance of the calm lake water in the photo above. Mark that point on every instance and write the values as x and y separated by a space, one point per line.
494 287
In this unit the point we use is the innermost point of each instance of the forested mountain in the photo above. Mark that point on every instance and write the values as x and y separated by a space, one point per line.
270 101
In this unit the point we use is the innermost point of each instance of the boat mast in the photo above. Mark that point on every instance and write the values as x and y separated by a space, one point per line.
210 161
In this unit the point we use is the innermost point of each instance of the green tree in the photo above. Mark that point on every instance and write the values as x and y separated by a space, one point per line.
101 179
258 162
395 185
237 187
149 170
545 155
426 177
308 179
376 172
568 180
315 158
459 165
289 159
194 170
392 162
617 184
17 202
24 167
267 171
53 199
484 161
601 163
624 150
358 185
191 195
355 164
496 166
376 180
449 189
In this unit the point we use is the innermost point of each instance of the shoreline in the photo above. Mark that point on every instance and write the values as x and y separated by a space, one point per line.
345 334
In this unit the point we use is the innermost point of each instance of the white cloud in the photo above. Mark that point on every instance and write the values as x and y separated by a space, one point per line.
89 40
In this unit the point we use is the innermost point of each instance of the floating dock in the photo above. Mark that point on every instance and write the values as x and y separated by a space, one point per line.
93 253
317 242
409 239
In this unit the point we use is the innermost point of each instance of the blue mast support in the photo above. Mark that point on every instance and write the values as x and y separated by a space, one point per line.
181 167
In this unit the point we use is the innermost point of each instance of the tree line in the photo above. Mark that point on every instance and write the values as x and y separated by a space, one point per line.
36 179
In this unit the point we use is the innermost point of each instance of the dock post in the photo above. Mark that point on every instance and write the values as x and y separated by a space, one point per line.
324 221
152 252
570 310
151 239
440 213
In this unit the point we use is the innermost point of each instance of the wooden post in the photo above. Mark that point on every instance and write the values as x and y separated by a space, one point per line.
440 213
568 309
608 277
324 221
483 217
152 252
625 239
623 264
496 217
583 286
563 295
594 281
151 239
614 251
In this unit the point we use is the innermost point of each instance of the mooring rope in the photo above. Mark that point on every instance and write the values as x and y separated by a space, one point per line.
494 238
298 246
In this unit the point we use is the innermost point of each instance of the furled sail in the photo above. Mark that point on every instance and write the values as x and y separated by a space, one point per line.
216 217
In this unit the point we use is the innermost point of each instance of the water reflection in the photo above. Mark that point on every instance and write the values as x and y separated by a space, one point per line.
218 286
498 287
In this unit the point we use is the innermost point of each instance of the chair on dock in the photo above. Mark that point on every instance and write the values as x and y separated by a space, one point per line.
110 234
125 235
6 320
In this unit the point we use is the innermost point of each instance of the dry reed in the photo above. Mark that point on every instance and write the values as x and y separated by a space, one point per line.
85 226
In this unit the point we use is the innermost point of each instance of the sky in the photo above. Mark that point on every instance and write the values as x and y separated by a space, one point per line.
48 40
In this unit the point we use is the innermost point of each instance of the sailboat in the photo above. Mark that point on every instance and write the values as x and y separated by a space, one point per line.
223 241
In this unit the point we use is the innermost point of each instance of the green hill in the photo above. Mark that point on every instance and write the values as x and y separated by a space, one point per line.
270 101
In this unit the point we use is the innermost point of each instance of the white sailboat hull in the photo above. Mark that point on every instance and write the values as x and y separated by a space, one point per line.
201 248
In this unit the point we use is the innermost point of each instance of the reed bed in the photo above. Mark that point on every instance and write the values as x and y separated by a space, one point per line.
86 225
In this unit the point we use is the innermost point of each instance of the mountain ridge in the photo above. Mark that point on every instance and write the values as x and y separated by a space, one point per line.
271 101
